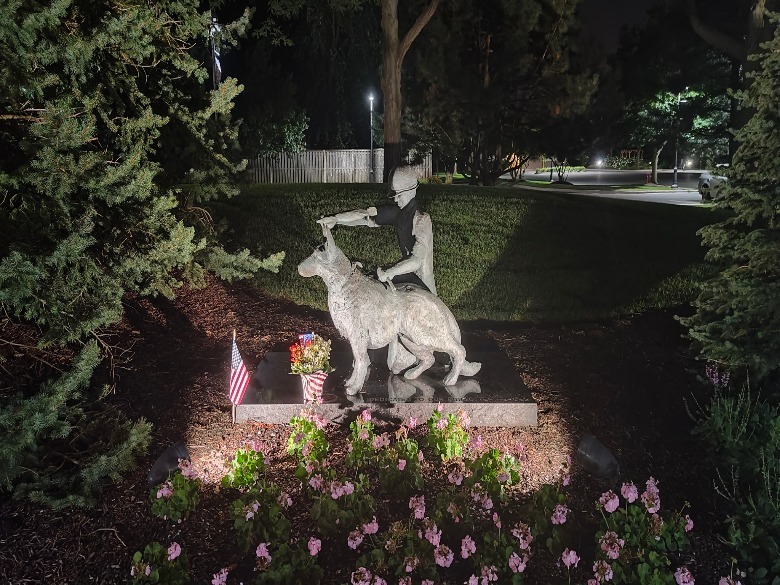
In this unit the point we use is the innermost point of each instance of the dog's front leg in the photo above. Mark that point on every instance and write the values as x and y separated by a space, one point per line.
360 362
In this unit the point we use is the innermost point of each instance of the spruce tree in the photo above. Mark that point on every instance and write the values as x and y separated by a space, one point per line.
111 139
737 319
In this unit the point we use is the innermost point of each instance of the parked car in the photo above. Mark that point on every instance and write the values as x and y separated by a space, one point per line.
710 185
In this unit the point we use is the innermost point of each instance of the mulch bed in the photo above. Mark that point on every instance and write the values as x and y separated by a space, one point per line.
629 381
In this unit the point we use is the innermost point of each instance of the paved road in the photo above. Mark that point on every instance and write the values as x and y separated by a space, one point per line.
688 179
685 194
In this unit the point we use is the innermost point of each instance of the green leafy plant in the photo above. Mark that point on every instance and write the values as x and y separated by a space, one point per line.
742 430
495 471
177 497
246 470
361 441
636 544
447 434
400 472
159 565
339 504
289 565
546 513
307 440
259 515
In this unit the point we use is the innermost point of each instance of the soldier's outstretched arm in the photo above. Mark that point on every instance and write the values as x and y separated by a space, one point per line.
350 218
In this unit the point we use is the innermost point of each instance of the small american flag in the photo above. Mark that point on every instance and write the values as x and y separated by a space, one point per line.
312 386
239 377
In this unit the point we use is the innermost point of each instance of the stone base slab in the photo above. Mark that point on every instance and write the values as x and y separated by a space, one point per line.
495 397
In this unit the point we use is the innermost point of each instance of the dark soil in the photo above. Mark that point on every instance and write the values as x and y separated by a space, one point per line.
629 381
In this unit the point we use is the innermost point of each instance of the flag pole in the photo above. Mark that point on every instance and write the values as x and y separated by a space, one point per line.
233 406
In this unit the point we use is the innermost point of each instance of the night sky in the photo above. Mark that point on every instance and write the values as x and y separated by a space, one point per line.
604 18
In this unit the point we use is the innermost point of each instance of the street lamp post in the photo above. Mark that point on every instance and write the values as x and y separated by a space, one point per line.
676 137
371 138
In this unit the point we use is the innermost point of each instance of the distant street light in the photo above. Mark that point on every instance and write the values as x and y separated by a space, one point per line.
371 138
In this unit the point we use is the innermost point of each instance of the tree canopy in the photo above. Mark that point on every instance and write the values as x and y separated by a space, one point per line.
111 140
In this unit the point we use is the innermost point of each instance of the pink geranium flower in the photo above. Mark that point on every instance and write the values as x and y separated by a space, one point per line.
354 539
629 492
401 464
688 523
315 545
517 563
174 551
570 558
611 544
433 534
455 477
417 503
602 571
559 514
609 501
443 556
220 578
467 547
366 415
522 532
683 576
187 470
165 491
361 576
372 527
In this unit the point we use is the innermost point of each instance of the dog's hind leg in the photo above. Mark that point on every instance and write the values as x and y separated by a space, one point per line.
457 354
398 358
424 355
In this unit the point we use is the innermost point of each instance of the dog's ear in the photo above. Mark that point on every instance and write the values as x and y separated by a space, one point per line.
329 243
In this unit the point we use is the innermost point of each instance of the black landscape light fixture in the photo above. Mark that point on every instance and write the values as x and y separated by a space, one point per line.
168 461
597 460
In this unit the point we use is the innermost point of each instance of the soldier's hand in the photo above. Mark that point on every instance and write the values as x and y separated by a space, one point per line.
329 222
381 275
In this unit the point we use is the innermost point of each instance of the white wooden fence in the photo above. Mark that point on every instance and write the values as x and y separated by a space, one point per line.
325 166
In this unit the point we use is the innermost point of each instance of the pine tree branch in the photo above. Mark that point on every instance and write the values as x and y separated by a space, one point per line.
23 117
32 348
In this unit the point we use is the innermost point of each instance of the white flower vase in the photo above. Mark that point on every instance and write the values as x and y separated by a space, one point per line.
312 386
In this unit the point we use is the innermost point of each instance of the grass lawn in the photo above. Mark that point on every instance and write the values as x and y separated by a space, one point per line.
500 254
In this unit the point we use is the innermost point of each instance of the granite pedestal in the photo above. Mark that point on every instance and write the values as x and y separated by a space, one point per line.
495 397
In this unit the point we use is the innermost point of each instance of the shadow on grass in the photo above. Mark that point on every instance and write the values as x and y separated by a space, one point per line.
572 259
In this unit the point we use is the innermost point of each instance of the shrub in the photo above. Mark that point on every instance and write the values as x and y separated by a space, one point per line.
743 433
635 544
175 498
259 515
447 434
246 470
159 565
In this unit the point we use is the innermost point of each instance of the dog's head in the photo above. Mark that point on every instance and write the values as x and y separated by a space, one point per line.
326 258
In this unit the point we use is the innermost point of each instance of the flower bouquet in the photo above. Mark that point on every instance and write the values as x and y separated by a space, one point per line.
310 357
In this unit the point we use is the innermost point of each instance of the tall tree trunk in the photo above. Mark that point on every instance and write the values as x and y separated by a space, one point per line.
394 51
654 163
